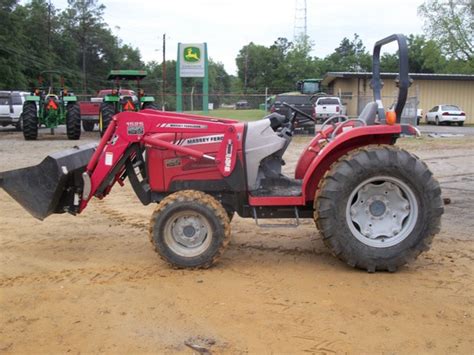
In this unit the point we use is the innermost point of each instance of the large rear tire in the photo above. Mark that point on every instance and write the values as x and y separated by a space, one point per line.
73 121
29 117
378 207
107 112
190 229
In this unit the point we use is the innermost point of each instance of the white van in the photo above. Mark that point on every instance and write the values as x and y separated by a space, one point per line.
11 107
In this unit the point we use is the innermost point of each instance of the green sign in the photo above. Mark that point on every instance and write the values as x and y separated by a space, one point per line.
192 63
192 59
192 54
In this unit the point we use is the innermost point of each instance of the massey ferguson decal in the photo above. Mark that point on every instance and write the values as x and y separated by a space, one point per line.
135 128
228 156
183 125
202 140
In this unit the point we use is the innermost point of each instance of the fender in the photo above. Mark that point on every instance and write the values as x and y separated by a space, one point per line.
343 143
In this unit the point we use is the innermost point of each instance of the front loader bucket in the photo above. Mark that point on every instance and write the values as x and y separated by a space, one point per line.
50 186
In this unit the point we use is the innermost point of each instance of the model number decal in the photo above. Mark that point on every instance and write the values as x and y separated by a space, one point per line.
135 128
173 163
228 156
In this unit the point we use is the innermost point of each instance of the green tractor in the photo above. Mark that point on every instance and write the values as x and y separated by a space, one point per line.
49 108
120 100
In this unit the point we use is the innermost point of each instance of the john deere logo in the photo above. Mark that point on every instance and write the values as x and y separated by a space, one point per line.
192 54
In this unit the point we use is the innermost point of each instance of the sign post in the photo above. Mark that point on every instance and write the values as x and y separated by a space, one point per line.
192 63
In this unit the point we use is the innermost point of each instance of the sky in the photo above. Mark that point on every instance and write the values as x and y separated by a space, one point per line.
227 26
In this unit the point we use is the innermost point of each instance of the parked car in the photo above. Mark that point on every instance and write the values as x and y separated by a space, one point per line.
446 114
242 105
301 102
327 106
11 107
90 109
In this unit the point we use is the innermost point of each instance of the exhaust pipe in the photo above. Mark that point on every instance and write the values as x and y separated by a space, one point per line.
53 186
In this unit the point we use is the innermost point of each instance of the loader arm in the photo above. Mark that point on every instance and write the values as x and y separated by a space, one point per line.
131 132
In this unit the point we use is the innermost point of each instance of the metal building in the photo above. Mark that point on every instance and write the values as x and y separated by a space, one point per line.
427 91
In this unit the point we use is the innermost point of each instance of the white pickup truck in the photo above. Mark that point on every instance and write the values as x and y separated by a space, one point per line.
11 107
328 106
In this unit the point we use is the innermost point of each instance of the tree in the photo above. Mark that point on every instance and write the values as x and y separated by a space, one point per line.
11 46
450 23
351 55
83 19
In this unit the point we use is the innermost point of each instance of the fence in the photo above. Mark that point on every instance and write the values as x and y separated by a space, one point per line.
193 102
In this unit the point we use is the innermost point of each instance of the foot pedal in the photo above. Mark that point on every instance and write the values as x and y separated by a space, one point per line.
277 225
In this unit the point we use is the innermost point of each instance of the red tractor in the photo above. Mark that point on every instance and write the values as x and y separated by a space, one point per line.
376 206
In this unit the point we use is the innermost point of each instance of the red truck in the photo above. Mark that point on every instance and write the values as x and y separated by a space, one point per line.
90 109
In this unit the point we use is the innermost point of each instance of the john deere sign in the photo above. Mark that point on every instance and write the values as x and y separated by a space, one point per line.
192 54
192 60
192 63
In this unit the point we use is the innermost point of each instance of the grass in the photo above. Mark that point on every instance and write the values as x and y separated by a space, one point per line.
427 143
240 115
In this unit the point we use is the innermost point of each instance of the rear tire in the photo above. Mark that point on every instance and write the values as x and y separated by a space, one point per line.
73 121
88 126
460 124
437 121
29 117
150 106
378 207
107 112
190 229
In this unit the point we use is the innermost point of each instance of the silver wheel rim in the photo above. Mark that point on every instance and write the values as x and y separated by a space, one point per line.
382 211
188 233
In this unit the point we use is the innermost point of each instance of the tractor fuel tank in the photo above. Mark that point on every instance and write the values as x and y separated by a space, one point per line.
50 186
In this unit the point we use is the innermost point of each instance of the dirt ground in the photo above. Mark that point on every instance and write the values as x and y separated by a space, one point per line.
93 283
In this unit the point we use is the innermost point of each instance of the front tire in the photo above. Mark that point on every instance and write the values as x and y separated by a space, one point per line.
190 229
150 106
73 121
88 125
378 207
107 112
29 117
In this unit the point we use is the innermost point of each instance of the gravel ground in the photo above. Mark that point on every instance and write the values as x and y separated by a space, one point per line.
92 283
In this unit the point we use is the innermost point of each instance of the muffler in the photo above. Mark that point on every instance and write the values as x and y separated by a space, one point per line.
53 186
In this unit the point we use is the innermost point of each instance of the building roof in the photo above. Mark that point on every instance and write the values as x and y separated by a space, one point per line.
330 76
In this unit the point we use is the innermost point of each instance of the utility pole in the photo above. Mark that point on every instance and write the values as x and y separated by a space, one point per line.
49 26
246 67
163 74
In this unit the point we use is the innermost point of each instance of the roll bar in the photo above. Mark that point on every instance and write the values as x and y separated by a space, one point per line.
403 80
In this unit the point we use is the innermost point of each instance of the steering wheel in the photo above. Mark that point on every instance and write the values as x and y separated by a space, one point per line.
332 118
317 96
297 110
